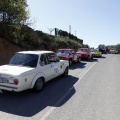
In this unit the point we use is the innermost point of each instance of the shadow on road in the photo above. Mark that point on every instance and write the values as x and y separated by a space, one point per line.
77 65
102 57
91 60
28 103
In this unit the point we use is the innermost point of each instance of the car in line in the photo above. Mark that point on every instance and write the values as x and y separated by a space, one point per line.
96 53
85 53
113 51
30 70
102 48
68 54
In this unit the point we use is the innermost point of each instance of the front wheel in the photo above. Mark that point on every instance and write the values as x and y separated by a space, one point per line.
70 62
38 85
88 57
92 57
79 60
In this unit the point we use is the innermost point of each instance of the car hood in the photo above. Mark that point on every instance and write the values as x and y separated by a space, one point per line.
14 70
82 53
61 54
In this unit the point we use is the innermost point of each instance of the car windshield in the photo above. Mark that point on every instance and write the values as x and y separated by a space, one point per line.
29 60
102 47
112 49
63 51
82 50
96 50
92 50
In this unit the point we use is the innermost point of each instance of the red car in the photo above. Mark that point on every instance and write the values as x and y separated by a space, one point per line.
68 54
85 53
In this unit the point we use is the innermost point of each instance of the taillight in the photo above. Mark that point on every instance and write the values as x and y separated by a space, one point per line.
15 82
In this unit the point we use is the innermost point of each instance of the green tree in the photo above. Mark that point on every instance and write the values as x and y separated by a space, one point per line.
13 11
13 15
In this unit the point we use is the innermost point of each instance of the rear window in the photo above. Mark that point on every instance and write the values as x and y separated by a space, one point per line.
29 60
63 51
82 50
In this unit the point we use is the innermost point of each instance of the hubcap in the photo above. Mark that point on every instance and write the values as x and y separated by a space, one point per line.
66 71
39 84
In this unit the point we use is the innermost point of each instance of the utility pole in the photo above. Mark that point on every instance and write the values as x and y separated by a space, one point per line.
70 29
75 33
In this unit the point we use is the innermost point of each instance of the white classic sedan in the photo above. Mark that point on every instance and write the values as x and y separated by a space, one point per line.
30 70
113 51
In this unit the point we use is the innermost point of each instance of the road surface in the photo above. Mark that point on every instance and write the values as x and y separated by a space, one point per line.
90 92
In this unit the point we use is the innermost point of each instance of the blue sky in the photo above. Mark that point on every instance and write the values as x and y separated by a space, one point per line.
95 21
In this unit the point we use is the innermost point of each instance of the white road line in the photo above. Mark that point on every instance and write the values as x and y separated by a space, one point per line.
79 75
63 97
83 74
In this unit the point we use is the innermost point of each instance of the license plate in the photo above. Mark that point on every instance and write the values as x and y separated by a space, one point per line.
2 80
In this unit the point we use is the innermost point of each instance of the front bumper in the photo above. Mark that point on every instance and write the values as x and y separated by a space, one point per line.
63 58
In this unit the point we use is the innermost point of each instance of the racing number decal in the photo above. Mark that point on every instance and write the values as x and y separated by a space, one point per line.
56 70
61 66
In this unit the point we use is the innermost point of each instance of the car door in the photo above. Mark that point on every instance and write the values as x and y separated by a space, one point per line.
46 67
56 64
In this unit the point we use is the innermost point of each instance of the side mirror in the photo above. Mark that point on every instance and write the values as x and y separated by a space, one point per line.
56 59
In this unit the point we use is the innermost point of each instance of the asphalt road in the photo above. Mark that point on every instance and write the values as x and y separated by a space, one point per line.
90 92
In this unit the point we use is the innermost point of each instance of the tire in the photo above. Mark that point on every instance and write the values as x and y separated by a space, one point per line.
91 57
88 58
79 60
70 62
38 85
65 74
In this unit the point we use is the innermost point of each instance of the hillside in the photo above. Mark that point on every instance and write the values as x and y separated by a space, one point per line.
7 49
28 39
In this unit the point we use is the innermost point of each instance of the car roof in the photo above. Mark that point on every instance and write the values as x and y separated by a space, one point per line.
112 49
65 49
37 52
83 48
